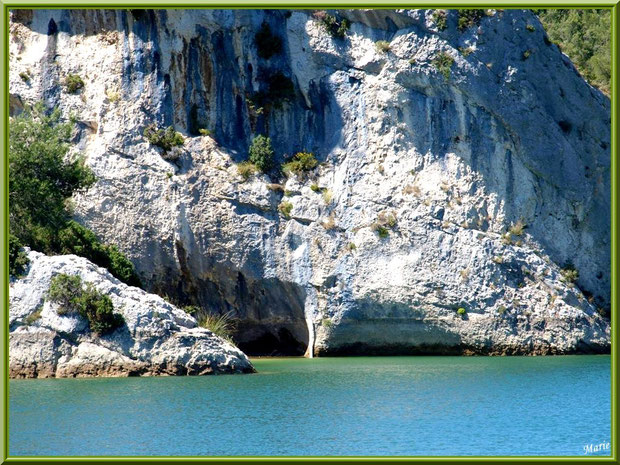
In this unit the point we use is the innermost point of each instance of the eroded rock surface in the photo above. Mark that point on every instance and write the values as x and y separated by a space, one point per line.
157 338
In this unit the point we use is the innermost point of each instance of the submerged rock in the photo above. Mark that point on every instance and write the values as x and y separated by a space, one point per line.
431 150
156 339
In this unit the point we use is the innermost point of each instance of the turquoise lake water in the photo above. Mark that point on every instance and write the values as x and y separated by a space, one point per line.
326 406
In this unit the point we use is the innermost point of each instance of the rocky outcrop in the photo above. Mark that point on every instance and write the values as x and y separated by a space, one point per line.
448 158
156 339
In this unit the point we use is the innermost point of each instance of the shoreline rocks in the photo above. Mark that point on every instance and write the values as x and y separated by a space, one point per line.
157 338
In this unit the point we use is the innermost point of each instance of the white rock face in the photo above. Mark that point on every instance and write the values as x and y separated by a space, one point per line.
157 339
455 161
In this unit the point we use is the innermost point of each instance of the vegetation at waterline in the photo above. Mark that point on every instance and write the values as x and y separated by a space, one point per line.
73 296
42 178
585 36
220 325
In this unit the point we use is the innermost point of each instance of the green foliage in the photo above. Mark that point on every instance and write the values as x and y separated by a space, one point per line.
73 83
24 76
501 309
382 46
78 240
166 139
351 246
73 297
585 36
34 316
442 63
526 54
461 311
301 162
40 183
385 222
315 188
327 323
191 309
18 260
332 25
440 18
381 230
246 169
41 179
267 44
285 208
469 18
205 132
530 28
220 325
66 290
569 274
261 153
466 51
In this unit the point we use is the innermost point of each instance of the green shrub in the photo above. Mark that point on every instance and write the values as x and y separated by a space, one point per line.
285 208
166 139
526 54
385 222
220 325
205 132
334 27
501 309
584 36
351 246
191 309
246 170
42 177
302 161
327 323
440 18
73 297
66 290
466 51
24 76
569 274
261 153
34 316
73 83
18 260
443 62
461 311
530 28
381 230
469 18
382 46
78 240
315 188
267 44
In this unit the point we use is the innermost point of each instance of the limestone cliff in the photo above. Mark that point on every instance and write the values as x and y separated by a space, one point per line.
447 156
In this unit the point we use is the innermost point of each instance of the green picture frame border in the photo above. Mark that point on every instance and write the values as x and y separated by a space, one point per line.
5 6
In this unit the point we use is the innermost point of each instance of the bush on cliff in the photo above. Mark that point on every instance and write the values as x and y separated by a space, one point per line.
41 180
585 37
261 153
18 260
302 161
73 297
166 139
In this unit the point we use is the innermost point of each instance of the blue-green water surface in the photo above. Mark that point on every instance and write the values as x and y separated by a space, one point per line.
326 406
